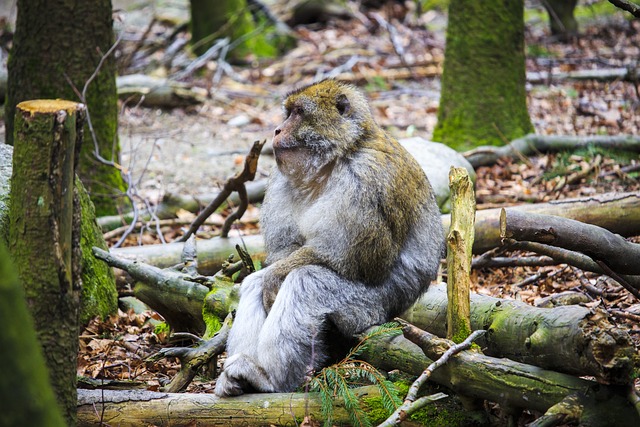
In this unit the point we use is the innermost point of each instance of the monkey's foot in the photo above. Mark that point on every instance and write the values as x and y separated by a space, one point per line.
227 386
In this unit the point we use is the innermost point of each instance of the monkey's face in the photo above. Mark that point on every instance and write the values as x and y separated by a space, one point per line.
322 122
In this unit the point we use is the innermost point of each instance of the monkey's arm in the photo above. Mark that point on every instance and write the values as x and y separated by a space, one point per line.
278 271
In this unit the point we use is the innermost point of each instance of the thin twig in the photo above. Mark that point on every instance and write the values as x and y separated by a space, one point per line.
411 402
235 183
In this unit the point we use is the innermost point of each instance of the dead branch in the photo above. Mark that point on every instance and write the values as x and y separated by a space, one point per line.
235 183
565 256
411 402
533 144
192 359
610 251
630 7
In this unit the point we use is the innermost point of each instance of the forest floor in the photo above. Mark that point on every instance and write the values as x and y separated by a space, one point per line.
193 150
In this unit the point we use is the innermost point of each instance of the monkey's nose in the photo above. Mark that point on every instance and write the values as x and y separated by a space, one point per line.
277 132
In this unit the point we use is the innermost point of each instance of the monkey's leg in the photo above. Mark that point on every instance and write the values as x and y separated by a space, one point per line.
241 344
250 316
292 342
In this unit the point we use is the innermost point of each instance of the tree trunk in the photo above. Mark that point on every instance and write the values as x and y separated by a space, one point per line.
57 46
44 233
483 98
27 398
99 293
250 30
561 20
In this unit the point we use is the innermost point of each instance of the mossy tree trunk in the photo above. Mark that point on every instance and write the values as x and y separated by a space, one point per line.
57 46
27 398
250 31
483 98
44 234
561 20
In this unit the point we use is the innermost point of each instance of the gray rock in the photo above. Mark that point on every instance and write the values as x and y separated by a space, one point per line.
436 159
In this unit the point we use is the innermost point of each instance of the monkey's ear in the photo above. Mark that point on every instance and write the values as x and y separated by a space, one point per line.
342 104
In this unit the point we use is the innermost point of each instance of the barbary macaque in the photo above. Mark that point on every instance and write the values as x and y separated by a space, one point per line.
353 237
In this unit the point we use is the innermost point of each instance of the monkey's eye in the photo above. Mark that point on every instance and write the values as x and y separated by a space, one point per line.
342 104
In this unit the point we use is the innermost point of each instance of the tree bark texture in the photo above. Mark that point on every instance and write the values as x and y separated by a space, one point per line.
99 293
57 46
483 98
43 238
27 398
571 339
596 242
512 384
135 408
459 245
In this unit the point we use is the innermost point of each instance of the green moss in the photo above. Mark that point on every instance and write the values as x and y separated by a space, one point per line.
99 294
162 328
444 413
222 299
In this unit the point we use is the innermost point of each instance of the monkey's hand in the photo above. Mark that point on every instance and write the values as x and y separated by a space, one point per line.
278 271
270 286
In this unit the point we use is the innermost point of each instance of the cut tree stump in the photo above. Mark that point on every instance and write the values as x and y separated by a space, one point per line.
44 238
459 252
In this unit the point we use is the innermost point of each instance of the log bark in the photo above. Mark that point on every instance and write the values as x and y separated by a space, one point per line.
533 144
571 339
512 384
44 233
617 212
135 408
596 242
459 244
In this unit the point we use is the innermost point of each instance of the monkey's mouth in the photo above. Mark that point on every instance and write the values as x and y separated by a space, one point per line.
291 160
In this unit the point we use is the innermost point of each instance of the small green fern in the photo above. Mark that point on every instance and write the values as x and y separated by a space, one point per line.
337 381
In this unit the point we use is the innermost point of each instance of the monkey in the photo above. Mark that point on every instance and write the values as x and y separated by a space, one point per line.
352 233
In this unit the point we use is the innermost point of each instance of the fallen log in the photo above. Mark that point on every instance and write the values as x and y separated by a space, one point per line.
616 212
596 242
571 339
156 92
511 384
136 407
533 144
